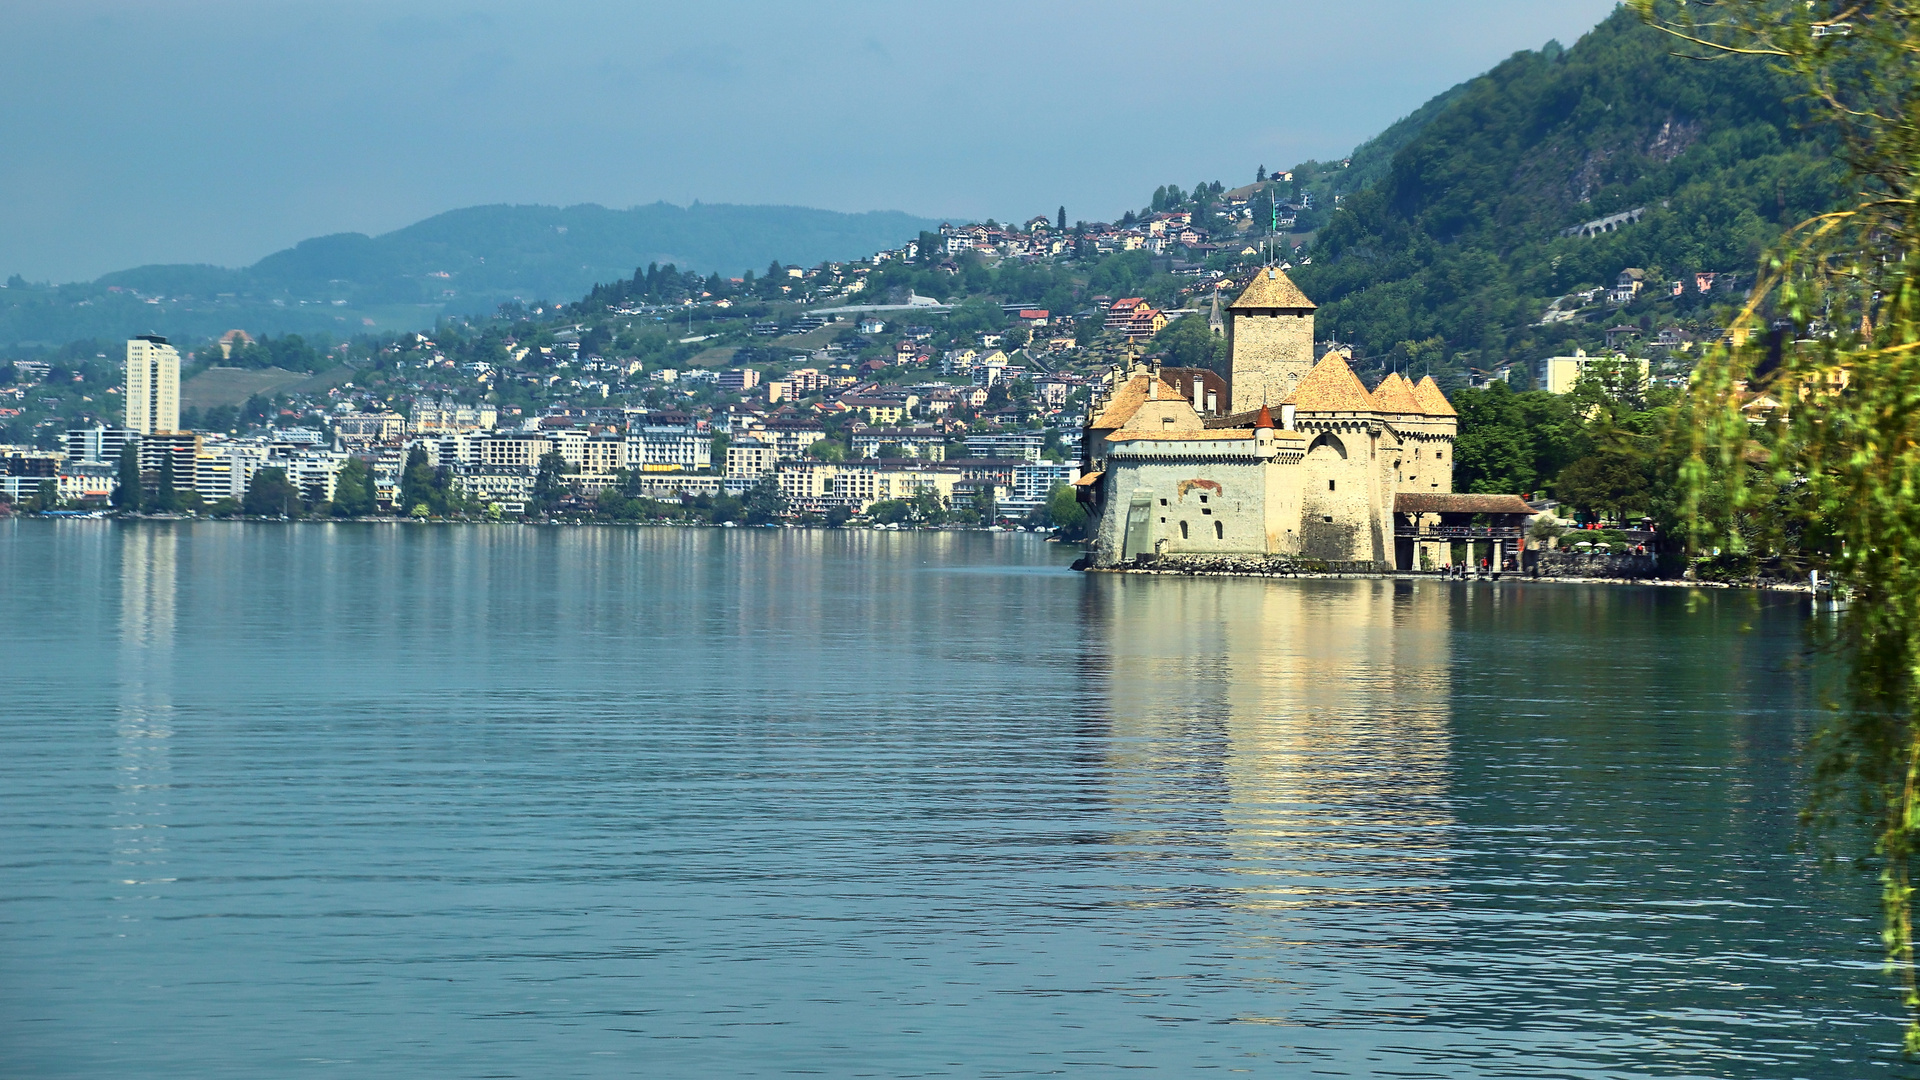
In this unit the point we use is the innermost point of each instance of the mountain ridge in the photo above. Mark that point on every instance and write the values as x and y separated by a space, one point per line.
462 261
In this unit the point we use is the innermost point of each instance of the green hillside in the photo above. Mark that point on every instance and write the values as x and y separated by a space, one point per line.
1456 251
461 262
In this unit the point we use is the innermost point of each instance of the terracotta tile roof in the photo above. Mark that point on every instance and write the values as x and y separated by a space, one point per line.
1395 395
1234 420
1272 288
1331 387
1432 401
1127 400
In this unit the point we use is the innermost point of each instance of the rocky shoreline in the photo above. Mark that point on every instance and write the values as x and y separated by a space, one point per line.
1571 569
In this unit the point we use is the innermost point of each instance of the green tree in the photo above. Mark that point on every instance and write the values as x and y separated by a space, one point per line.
1065 513
47 496
549 486
1612 480
1514 443
127 493
417 480
764 504
164 498
985 505
1187 342
353 489
270 494
1835 475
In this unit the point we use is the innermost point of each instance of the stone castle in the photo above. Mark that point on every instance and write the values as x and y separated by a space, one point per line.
1304 462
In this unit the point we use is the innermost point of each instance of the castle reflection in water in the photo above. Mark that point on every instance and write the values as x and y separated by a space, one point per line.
1300 729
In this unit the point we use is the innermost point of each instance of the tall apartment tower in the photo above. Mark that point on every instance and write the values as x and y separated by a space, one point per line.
153 385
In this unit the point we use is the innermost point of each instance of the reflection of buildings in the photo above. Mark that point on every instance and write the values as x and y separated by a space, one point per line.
144 721
1313 717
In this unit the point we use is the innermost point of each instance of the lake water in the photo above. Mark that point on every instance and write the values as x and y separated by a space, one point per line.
404 801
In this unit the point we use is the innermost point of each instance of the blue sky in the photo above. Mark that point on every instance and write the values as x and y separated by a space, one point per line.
219 131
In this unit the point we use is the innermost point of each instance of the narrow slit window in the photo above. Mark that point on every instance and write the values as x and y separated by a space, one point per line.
1329 485
1219 530
1183 530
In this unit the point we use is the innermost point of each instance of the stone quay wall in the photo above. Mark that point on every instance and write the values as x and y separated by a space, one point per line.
1575 564
1239 565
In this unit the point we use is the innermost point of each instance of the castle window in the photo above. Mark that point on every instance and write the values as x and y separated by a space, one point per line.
1329 485
1183 530
1207 512
1163 502
1203 498
1219 530
1328 518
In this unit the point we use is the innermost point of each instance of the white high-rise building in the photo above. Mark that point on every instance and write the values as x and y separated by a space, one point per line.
153 385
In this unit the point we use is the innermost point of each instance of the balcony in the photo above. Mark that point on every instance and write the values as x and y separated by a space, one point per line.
1458 532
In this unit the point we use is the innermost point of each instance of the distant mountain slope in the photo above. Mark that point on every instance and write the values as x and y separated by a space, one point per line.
463 261
1460 238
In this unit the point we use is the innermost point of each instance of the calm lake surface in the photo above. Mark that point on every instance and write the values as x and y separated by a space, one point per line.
403 801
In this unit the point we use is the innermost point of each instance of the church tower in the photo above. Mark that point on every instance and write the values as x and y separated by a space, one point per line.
1269 340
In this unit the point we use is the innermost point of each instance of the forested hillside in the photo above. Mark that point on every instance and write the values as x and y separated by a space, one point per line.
1457 251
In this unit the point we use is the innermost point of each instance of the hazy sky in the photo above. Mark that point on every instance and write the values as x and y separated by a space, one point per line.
219 131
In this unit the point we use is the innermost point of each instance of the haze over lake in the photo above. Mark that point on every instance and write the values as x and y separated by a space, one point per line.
383 800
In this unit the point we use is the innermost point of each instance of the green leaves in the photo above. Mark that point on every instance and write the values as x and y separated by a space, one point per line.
1820 434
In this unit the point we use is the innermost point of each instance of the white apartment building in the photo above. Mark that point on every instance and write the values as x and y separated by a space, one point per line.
314 472
433 417
1033 482
660 447
751 459
494 485
927 443
222 470
97 443
1015 444
153 385
509 450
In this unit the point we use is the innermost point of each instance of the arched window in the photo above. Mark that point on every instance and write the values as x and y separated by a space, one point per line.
1183 530
1219 531
1327 443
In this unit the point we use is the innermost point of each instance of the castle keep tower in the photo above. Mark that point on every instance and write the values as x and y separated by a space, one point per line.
1270 340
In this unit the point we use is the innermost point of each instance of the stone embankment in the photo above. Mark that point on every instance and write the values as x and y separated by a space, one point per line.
1232 565
1581 564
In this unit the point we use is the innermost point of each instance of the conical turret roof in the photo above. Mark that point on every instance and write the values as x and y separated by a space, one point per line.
1432 401
1272 288
1395 395
1331 387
